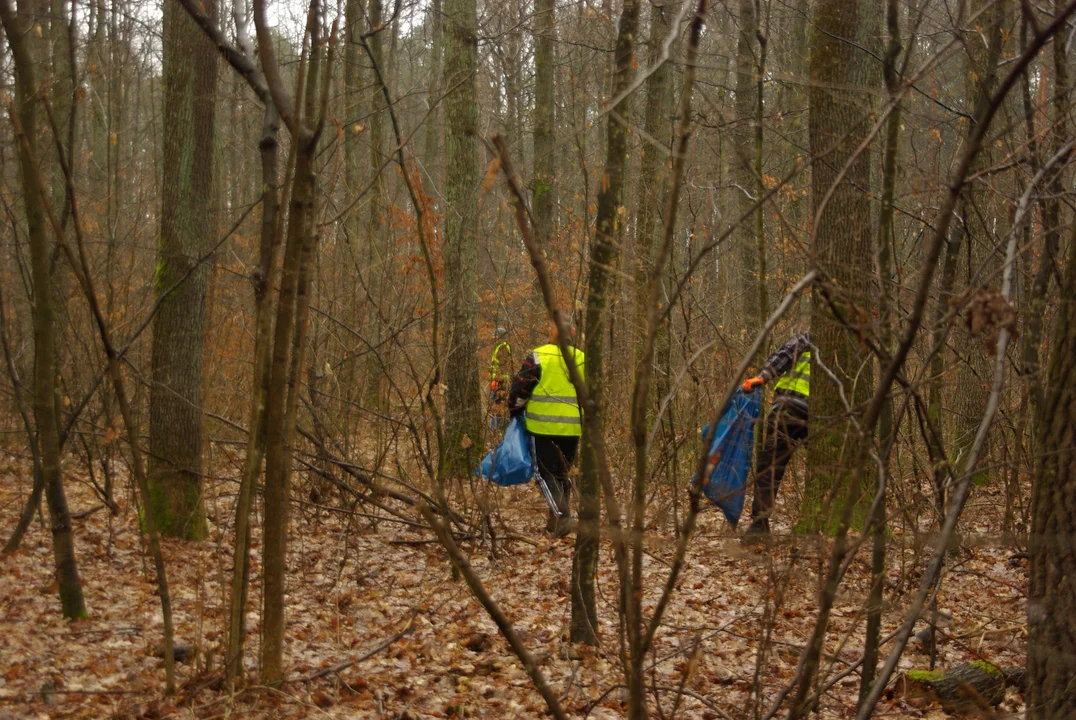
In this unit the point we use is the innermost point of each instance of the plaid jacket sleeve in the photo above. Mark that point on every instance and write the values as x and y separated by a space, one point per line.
523 384
785 356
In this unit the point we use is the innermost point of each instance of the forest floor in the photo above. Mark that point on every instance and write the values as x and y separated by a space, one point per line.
354 585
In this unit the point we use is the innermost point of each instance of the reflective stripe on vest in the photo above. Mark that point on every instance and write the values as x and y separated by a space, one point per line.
495 362
553 408
799 379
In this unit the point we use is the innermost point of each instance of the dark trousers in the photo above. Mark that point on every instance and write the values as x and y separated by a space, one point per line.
555 455
786 429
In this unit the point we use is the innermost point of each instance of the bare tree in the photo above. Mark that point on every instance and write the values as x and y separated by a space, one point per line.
17 27
839 123
463 412
189 145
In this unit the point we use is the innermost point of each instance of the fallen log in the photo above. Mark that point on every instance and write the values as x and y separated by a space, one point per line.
967 688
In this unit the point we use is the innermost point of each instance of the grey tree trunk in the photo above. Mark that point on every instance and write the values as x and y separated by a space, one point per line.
463 418
72 605
175 416
657 123
263 322
431 154
1051 237
1051 606
603 257
981 261
886 295
981 79
545 161
744 175
839 120
289 332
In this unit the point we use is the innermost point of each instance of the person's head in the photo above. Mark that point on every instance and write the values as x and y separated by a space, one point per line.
499 333
553 333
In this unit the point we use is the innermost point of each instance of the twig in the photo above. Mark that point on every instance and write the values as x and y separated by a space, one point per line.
530 665
341 666
86 513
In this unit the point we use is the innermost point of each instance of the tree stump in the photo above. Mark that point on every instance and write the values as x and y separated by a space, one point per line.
965 688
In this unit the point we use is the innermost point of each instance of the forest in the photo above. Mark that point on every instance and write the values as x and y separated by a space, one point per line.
286 288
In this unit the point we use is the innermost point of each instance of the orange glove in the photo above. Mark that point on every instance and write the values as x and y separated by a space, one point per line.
750 384
493 385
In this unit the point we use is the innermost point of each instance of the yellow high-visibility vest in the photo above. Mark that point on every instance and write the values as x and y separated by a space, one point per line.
553 408
799 379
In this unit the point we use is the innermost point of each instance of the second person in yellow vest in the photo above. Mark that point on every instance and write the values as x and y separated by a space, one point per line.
543 393
786 426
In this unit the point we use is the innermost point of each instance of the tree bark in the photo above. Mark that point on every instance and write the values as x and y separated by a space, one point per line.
657 123
355 24
289 333
463 411
961 689
543 189
839 121
743 162
1051 602
608 225
263 334
981 260
1031 363
175 416
886 296
431 154
72 604
984 67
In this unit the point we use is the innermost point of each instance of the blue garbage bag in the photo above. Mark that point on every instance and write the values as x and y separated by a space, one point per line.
730 454
511 462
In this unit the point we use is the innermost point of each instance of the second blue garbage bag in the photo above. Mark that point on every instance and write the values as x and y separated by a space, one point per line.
730 454
511 462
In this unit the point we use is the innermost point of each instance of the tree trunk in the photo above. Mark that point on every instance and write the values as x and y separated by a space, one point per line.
840 108
354 24
463 411
72 604
1051 239
886 296
982 261
289 333
744 176
981 78
175 417
431 154
544 197
1051 602
602 258
263 334
33 502
376 260
657 124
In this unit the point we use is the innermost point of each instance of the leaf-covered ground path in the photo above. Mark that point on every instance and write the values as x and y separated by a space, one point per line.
355 584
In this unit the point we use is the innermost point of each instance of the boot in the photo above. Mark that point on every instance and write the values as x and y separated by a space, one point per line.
758 532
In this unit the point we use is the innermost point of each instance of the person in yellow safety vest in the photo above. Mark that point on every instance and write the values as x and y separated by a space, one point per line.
786 427
498 378
543 393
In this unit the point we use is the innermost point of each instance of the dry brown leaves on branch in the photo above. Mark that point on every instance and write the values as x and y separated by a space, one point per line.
987 313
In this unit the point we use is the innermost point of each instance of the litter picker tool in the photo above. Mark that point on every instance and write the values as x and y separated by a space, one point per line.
544 486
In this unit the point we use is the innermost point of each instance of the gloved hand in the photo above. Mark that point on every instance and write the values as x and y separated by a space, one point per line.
750 384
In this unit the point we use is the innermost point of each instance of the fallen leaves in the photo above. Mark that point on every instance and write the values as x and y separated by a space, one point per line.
350 589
